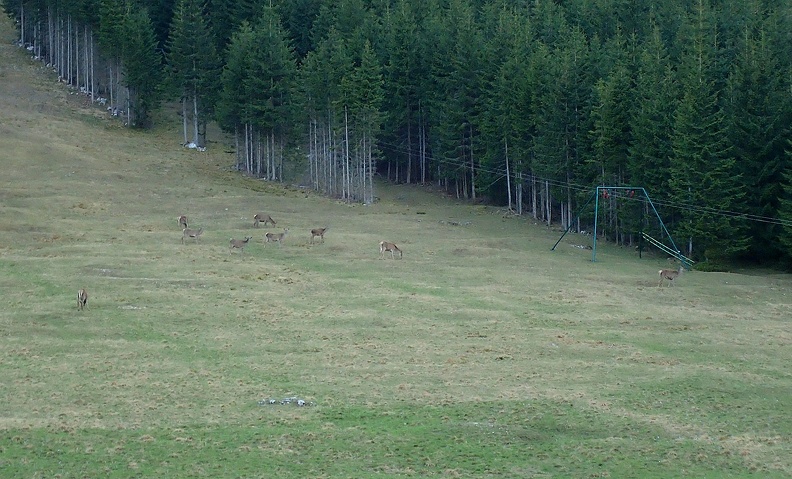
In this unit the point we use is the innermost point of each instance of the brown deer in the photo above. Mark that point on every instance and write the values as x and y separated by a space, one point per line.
262 218
82 299
239 244
386 246
277 237
318 232
188 233
670 275
183 221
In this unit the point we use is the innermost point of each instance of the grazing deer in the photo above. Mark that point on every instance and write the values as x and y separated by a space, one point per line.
262 218
318 232
188 233
240 244
183 221
670 275
82 299
277 237
386 246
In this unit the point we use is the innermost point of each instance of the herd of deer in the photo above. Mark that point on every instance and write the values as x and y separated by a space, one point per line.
261 218
385 247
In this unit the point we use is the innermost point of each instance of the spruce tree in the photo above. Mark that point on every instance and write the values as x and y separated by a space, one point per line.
142 64
652 117
785 210
704 175
362 97
758 114
193 68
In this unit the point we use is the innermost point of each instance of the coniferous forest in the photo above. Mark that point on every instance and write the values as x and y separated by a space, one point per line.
531 104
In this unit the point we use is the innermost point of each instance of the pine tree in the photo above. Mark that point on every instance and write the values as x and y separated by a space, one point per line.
652 118
255 101
703 168
193 68
785 210
142 65
505 122
234 112
402 81
361 97
457 73
758 112
298 17
268 83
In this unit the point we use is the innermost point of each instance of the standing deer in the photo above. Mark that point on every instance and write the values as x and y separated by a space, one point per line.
277 237
670 275
240 244
262 218
318 232
183 221
82 299
386 246
188 233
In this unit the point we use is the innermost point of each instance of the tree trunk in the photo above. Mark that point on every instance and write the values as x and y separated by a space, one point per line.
184 119
508 174
196 139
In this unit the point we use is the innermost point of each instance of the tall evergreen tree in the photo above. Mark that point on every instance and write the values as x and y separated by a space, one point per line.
704 177
758 112
194 68
652 118
361 97
298 17
402 77
255 100
785 211
142 65
457 73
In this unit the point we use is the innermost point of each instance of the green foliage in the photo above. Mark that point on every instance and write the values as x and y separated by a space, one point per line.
258 78
703 169
298 18
233 110
652 119
758 115
194 68
110 32
361 92
142 65
192 60
785 207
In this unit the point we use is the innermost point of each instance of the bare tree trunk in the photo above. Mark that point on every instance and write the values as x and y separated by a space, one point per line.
520 191
371 171
422 142
568 205
472 165
508 174
409 150
247 148
236 147
77 57
195 119
184 119
535 199
548 203
22 24
346 194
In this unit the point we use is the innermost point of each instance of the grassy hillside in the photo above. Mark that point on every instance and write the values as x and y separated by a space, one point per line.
480 354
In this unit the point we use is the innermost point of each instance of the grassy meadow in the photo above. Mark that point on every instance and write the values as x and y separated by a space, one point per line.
480 354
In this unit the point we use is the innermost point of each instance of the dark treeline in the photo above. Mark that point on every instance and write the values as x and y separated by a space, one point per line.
526 103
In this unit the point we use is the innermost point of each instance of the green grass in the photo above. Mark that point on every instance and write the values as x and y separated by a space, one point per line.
480 354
